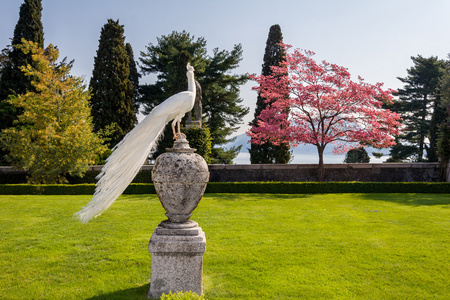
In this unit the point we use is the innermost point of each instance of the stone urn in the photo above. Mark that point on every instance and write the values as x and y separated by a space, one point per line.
180 177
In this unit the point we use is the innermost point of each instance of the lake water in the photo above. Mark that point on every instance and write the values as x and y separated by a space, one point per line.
244 158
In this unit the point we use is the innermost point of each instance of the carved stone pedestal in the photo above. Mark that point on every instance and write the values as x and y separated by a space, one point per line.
177 258
177 245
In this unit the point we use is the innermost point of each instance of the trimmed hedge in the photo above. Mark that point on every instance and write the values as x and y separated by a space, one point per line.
244 187
327 187
20 177
67 189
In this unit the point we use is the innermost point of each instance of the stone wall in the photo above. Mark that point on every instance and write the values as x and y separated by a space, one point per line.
383 172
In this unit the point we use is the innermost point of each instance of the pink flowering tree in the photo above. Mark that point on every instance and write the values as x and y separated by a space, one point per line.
324 106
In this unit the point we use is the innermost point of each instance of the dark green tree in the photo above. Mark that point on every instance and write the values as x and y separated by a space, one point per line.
221 103
443 142
12 79
134 77
111 87
357 155
269 153
419 104
168 59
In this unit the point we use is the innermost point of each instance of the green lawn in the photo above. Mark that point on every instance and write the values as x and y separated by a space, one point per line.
259 246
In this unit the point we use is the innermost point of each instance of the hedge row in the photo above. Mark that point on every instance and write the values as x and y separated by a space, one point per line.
244 187
327 187
67 189
143 176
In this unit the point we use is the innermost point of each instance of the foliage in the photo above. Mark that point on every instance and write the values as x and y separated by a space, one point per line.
12 79
68 189
357 155
134 78
327 187
224 156
377 154
443 142
53 136
365 246
419 104
28 27
244 187
200 139
325 106
182 296
274 55
221 103
112 90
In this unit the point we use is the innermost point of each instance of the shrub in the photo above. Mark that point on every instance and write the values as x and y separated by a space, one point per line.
182 296
244 187
357 155
200 139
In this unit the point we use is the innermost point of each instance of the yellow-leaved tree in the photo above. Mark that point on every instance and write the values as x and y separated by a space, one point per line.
53 137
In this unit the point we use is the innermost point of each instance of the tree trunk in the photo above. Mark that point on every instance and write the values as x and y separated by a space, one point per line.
320 169
422 133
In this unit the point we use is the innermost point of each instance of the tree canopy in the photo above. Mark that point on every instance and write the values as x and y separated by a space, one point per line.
325 106
111 87
420 106
12 80
222 110
53 136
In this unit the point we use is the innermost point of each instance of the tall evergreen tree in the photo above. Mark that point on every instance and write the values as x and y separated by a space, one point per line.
12 79
134 77
269 153
112 89
443 143
420 106
221 103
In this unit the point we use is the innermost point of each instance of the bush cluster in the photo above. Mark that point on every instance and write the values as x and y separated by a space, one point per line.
244 187
200 139
182 296
327 187
144 176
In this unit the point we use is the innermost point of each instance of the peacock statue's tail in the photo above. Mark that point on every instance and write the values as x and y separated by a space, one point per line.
124 163
130 154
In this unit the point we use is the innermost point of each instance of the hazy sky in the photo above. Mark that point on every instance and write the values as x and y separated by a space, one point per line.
373 39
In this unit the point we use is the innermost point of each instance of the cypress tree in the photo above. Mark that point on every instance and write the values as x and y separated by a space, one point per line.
12 80
134 77
112 89
268 153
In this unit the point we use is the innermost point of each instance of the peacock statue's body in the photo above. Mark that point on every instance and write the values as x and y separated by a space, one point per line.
131 153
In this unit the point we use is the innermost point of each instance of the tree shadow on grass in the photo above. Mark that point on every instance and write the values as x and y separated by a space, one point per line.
410 199
137 293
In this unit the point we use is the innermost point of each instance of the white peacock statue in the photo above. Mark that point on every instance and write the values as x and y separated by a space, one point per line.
130 153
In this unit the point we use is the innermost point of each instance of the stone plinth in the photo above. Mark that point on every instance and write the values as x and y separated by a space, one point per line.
177 245
177 258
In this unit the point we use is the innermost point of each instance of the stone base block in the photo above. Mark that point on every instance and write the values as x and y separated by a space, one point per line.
177 258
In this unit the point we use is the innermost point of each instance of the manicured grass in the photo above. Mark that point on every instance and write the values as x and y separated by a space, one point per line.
259 246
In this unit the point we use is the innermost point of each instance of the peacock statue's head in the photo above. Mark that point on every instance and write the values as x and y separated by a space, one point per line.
189 67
